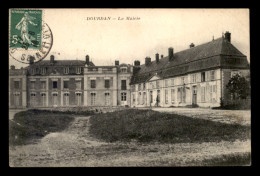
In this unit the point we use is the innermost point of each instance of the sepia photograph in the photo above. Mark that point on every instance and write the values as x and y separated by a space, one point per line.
126 87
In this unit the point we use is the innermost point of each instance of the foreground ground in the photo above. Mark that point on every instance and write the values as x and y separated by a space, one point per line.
75 147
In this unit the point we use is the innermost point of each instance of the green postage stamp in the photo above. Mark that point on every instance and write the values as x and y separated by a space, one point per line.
29 35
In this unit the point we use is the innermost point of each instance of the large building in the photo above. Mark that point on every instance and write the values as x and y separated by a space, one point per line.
196 76
69 83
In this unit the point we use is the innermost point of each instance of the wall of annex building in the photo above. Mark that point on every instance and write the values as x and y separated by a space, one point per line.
171 90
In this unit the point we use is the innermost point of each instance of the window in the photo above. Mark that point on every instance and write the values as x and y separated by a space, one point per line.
166 96
123 70
183 95
214 88
203 77
66 84
43 70
157 84
33 71
193 78
107 85
66 70
179 95
233 73
139 87
93 83
123 96
144 86
43 85
93 98
144 98
212 75
140 98
54 84
107 99
78 70
33 99
133 98
172 82
43 98
173 95
78 99
66 99
123 84
182 80
203 94
32 84
78 85
166 83
17 84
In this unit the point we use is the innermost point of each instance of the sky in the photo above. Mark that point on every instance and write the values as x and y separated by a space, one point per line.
75 35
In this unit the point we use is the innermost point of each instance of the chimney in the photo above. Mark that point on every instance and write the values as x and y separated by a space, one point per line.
52 59
228 36
161 56
116 62
87 59
147 60
12 67
170 53
31 60
192 45
136 67
137 63
157 57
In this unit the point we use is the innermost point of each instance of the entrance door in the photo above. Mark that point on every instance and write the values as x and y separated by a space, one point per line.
158 99
194 95
55 99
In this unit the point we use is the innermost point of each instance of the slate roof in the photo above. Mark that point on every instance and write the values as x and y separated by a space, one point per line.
200 57
16 72
62 63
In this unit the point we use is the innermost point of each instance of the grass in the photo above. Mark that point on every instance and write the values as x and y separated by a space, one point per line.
148 126
35 124
241 159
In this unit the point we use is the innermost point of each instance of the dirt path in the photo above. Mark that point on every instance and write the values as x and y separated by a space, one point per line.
75 148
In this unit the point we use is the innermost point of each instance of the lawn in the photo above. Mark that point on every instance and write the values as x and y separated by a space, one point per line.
34 124
148 126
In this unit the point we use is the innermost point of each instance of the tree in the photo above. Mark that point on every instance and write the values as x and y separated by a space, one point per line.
238 87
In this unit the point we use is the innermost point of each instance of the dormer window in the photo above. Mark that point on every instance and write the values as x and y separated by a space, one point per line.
78 70
66 70
43 70
33 71
123 69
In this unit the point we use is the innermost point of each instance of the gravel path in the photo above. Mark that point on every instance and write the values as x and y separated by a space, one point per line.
75 148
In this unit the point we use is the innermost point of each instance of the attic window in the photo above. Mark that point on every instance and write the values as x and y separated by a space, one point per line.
78 70
123 69
66 70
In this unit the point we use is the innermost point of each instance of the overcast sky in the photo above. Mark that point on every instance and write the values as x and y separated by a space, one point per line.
104 41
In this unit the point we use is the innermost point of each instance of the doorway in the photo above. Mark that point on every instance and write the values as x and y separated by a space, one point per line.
194 95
